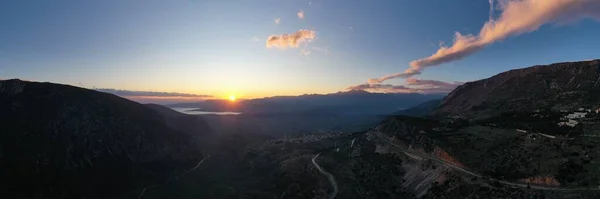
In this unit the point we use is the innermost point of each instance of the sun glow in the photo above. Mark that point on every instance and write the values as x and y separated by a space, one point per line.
232 98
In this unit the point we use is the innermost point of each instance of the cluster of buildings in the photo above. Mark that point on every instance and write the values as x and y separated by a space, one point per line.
310 137
571 118
569 122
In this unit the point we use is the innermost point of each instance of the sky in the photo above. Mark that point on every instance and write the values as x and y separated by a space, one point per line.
248 48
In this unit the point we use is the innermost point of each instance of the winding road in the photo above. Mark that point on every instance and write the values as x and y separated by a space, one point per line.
329 176
461 169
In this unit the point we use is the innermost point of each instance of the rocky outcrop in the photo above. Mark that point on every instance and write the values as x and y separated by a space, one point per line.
443 155
542 180
59 141
556 86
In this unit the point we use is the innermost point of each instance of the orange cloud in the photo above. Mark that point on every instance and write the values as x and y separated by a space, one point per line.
290 40
516 17
300 14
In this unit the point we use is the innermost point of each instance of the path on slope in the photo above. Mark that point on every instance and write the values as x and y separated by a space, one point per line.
176 178
441 161
329 176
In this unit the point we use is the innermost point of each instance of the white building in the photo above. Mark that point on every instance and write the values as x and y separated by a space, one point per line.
576 115
570 123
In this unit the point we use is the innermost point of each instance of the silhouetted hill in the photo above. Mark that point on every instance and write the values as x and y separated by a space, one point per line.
59 141
351 102
192 124
559 86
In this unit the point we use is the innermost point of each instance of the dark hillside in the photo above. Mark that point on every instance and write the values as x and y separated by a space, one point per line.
559 86
59 141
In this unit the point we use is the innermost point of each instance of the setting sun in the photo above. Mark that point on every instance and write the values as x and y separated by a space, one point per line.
232 98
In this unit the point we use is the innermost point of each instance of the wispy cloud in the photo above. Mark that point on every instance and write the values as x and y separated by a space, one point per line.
406 74
255 39
277 20
305 52
322 49
412 86
300 14
382 88
445 86
290 40
516 17
491 14
131 93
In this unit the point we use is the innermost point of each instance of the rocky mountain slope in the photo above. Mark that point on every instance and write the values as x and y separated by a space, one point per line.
422 109
556 86
59 141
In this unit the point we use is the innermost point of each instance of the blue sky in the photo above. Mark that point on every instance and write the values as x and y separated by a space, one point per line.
218 47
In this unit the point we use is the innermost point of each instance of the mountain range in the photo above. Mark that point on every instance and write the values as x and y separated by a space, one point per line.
500 137
348 111
351 102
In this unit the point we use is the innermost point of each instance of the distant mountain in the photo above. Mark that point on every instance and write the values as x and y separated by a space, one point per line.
422 109
351 102
559 86
59 141
281 115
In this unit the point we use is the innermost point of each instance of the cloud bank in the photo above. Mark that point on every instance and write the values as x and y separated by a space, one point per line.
516 17
130 93
412 86
379 87
155 97
290 40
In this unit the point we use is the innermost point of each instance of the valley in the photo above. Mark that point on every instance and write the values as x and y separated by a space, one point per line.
97 145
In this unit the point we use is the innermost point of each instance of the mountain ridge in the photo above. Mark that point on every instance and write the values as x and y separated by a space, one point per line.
360 101
557 86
